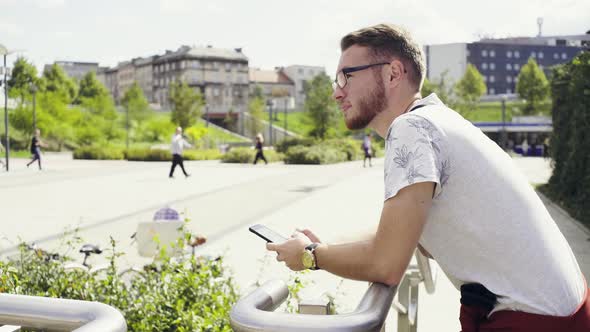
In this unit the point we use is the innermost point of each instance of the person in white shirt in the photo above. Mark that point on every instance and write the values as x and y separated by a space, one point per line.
177 146
452 193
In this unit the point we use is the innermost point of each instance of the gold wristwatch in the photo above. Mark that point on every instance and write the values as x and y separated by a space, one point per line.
308 257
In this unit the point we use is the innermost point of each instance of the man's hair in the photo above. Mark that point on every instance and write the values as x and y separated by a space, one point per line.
386 40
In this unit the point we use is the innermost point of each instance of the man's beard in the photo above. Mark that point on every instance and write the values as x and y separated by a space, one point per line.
368 108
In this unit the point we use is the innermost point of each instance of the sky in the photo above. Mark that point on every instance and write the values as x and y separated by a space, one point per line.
270 32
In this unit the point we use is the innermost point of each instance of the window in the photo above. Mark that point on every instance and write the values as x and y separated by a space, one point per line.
485 78
509 54
541 55
509 79
227 66
508 90
215 65
167 67
563 56
516 66
516 54
300 71
492 66
492 54
555 56
533 54
216 92
541 67
484 53
515 79
492 79
508 66
484 66
492 91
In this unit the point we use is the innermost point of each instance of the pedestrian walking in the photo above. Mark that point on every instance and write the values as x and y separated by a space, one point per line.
177 146
259 149
36 145
1 161
368 149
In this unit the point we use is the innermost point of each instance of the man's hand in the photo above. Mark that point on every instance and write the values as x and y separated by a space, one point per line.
291 250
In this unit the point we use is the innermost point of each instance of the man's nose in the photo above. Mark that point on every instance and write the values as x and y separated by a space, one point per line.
337 93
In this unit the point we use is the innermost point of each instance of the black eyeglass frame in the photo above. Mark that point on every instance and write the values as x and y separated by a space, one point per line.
348 70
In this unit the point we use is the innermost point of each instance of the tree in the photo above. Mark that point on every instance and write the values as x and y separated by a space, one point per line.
136 104
24 75
56 80
256 109
90 87
186 104
470 88
532 86
321 107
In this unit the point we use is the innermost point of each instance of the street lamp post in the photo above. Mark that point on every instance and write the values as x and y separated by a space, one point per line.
5 52
269 104
503 137
285 112
206 115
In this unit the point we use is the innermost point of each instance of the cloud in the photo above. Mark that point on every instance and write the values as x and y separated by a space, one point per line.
50 3
9 28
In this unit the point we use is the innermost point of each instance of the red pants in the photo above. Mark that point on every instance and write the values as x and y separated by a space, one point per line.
474 319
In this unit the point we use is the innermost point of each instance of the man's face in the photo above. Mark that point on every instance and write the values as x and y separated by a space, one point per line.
363 96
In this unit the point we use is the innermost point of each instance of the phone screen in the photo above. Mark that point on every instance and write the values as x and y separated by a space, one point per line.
267 234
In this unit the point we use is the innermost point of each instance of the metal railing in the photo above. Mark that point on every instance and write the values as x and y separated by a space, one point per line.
254 312
52 314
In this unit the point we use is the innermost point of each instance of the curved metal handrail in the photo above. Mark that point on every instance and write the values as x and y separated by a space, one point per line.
254 312
59 314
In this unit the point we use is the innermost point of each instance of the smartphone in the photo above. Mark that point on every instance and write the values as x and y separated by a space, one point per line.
267 234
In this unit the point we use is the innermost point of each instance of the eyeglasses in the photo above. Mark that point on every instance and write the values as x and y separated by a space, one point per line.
342 75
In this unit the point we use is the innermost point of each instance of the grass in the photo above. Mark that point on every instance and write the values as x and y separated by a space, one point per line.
298 123
16 154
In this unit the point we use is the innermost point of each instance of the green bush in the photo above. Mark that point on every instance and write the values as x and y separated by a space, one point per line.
569 184
99 153
285 144
208 154
191 294
314 155
147 154
246 155
352 148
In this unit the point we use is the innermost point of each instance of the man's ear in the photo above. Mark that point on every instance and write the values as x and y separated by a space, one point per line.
395 72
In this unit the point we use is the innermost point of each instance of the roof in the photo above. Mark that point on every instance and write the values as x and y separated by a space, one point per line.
205 53
268 76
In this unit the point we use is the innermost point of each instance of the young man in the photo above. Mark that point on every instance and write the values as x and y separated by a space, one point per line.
36 145
451 192
177 146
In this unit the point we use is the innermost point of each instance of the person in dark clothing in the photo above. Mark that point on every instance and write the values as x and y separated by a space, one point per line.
36 145
367 148
259 150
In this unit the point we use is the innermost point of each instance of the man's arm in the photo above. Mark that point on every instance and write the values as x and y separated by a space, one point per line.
384 257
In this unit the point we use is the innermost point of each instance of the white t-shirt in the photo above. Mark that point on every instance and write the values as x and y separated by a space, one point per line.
178 144
486 224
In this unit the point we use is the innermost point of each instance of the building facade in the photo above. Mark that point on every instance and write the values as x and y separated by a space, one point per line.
299 74
76 70
221 75
276 86
500 60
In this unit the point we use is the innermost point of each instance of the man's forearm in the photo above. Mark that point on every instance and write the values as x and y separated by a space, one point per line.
352 260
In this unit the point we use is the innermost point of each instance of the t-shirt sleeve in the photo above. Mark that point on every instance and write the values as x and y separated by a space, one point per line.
415 152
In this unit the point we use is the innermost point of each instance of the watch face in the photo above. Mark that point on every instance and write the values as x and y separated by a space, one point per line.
307 259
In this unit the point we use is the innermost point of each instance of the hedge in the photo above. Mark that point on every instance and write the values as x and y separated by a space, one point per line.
569 184
246 155
141 154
